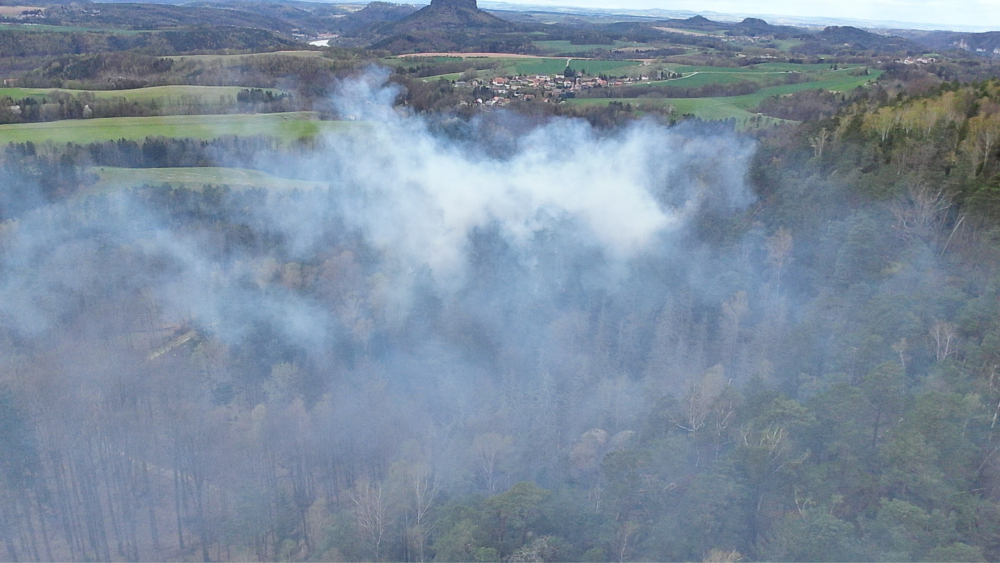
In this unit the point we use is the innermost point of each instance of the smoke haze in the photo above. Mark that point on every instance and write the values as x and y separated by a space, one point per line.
441 298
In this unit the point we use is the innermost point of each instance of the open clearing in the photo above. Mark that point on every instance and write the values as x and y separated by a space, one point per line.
286 127
110 178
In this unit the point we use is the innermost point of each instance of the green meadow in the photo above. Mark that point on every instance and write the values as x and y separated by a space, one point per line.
286 127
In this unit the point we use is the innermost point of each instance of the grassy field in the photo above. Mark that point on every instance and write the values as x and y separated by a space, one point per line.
165 95
110 178
286 127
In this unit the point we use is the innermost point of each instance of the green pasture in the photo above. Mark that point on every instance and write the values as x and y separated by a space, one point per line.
165 95
110 178
537 66
286 127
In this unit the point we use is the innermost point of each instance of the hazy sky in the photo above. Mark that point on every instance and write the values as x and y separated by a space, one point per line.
982 14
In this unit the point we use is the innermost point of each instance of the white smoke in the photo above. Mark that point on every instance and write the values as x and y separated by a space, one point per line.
421 194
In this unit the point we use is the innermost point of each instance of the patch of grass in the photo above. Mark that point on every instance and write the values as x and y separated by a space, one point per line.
539 66
286 127
110 178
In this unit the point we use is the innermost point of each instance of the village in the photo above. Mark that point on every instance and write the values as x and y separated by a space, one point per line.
501 90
